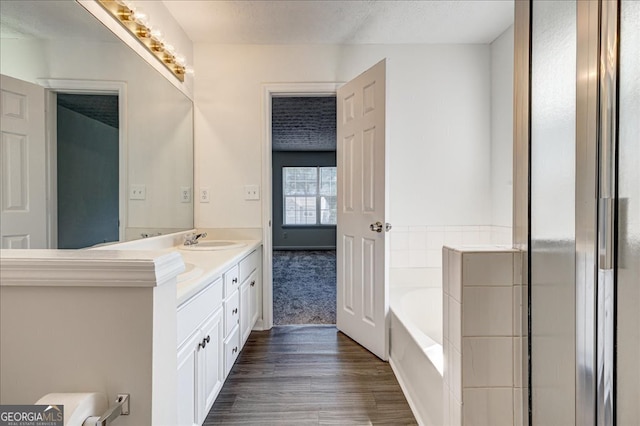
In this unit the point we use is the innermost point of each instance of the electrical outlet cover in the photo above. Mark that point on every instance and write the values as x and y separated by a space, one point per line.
137 192
204 195
251 192
185 194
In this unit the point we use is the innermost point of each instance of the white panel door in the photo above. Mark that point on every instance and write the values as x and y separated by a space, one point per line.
23 223
362 296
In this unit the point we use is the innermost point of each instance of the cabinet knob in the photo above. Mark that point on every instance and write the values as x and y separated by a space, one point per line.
253 283
235 311
235 280
204 342
234 350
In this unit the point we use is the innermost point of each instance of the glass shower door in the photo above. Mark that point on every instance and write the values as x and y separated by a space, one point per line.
628 206
552 222
584 248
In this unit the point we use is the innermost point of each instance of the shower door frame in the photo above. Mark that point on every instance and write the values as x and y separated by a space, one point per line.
586 209
596 175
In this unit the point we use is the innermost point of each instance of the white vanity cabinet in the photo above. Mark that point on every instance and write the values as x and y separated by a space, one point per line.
212 327
200 354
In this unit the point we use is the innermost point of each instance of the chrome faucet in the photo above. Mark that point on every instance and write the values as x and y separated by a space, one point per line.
192 239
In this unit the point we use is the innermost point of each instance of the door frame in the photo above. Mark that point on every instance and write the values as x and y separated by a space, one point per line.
82 87
268 92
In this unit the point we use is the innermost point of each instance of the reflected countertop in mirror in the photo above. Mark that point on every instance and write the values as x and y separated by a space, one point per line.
58 45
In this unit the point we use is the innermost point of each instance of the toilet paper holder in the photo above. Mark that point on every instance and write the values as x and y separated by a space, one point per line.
121 408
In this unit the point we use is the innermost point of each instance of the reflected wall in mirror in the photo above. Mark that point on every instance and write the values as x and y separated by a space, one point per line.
58 167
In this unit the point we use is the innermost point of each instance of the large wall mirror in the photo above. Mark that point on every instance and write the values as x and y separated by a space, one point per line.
107 152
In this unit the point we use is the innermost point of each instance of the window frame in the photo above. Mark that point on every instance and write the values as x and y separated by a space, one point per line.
318 196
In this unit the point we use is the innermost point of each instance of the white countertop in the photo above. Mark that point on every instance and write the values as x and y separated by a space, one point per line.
87 268
144 263
213 263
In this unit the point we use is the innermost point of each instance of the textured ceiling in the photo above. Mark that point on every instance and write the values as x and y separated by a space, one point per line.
303 123
103 108
342 22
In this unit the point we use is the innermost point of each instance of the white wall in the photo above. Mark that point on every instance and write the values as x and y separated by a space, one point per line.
438 116
24 59
502 129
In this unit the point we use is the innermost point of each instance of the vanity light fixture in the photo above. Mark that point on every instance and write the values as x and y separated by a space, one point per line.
137 23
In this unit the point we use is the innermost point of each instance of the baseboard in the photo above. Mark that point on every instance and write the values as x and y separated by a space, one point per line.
406 393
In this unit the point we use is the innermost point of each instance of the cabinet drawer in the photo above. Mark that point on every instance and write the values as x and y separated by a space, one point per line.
193 312
231 312
231 350
249 264
231 281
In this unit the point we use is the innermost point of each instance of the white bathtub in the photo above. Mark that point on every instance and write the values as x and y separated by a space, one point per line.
416 349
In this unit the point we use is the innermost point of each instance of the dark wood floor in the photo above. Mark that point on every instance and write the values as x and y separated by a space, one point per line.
309 375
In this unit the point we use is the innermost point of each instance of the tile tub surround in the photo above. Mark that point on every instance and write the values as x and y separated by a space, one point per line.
416 251
484 336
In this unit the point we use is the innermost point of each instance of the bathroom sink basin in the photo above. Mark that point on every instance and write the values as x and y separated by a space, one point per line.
191 271
205 245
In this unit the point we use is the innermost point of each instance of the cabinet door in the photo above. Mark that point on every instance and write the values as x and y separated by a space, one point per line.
187 381
256 291
211 361
245 311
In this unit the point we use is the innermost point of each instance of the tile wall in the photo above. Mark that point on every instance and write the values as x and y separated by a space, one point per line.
484 337
416 251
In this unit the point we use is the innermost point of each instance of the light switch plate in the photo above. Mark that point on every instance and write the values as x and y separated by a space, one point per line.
251 192
185 194
137 192
204 195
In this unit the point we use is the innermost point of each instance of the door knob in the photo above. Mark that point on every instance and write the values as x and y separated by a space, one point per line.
379 227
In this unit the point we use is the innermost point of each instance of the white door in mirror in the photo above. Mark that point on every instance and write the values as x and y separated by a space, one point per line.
24 205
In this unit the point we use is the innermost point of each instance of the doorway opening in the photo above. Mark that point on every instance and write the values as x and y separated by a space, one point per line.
304 201
87 154
88 120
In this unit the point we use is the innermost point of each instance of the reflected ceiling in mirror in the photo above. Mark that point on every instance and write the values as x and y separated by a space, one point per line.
58 44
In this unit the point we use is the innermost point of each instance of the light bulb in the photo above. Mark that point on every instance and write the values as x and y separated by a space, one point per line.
140 18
